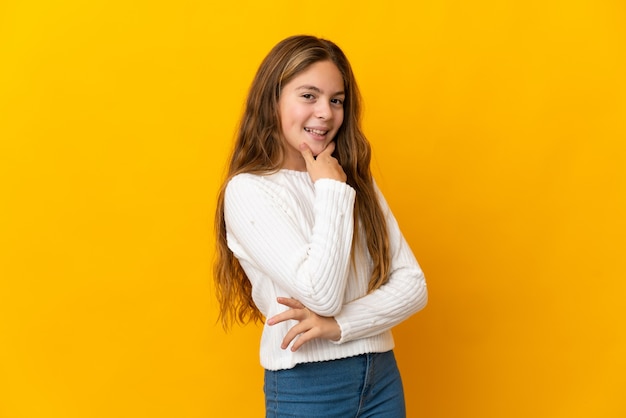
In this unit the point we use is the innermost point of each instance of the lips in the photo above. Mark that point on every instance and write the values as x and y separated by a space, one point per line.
315 131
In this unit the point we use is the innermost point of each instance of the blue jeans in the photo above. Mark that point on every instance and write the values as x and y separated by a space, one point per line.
368 385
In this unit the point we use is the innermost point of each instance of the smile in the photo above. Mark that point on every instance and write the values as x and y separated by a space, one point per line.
315 131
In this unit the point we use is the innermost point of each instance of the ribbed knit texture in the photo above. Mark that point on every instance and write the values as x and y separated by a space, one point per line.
293 238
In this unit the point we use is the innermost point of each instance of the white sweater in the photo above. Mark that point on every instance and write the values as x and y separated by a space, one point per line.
293 238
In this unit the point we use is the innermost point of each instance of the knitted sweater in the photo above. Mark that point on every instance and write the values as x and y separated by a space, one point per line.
293 238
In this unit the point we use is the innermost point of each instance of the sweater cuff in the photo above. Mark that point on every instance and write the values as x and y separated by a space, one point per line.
334 196
332 184
345 332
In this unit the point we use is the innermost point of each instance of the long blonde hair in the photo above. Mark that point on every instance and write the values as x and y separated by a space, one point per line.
259 149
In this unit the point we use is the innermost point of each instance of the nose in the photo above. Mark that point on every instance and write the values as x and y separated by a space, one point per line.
323 110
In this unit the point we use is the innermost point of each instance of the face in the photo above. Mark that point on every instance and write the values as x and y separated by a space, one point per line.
311 111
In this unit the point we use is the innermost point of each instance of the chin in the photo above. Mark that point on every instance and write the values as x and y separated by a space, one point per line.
317 148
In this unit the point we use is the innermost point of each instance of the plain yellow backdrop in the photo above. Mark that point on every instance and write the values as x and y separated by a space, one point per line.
498 130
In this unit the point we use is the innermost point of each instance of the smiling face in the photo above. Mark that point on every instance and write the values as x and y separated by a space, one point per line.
311 111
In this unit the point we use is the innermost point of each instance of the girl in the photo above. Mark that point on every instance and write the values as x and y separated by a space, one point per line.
306 239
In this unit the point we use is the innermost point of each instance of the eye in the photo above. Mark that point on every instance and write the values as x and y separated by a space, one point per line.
308 96
337 101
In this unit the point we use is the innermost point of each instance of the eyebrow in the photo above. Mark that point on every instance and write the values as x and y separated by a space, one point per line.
317 90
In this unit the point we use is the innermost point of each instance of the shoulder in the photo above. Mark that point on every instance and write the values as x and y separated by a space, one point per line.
243 180
256 196
277 182
275 187
382 201
244 186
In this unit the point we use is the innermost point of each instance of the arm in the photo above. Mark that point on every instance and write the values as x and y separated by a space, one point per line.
310 263
403 295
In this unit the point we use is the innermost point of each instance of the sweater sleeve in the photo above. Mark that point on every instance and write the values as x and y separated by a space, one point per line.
403 295
310 262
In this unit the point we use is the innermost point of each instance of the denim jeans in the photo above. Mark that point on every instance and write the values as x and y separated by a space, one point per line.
363 386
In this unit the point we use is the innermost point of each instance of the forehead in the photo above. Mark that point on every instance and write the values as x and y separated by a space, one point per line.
324 75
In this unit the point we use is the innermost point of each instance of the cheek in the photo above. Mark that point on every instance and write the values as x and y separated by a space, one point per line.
286 114
340 119
291 117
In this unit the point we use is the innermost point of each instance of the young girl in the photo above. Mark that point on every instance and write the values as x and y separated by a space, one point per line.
306 240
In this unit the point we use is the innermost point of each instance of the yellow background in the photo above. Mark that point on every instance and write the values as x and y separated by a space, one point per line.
498 129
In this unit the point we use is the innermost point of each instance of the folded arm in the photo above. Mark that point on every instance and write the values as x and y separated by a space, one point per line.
310 261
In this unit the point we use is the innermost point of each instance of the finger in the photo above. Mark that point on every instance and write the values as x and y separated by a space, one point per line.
296 314
296 330
302 339
328 151
291 302
307 154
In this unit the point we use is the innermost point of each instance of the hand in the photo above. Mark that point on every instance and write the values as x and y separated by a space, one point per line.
324 166
309 327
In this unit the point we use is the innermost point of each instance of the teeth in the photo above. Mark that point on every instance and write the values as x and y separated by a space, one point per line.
315 131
